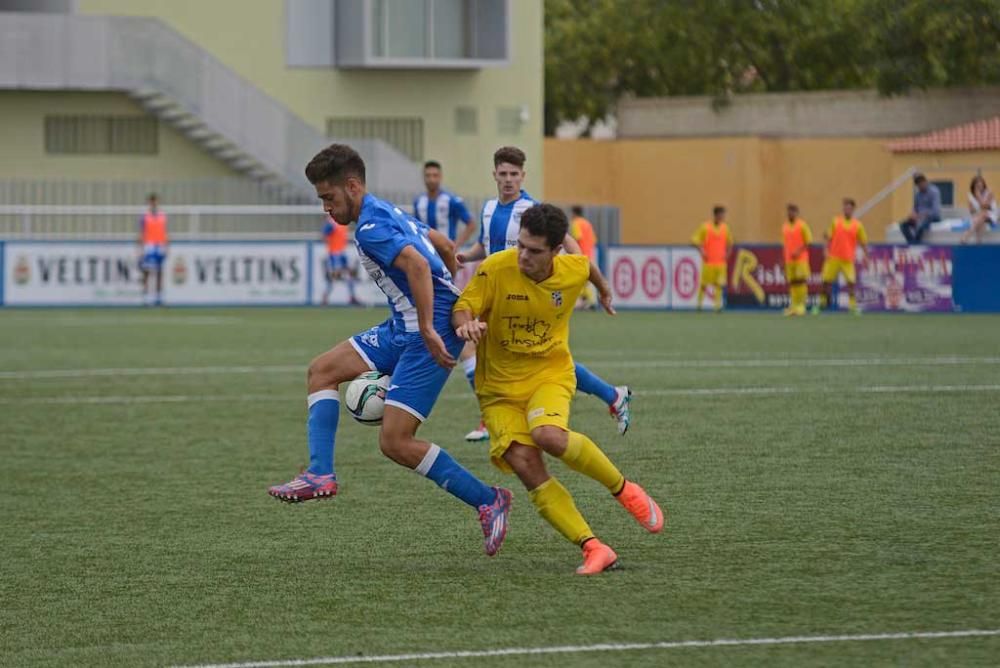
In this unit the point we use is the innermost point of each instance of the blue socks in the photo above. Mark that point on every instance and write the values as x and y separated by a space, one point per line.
589 383
454 479
324 411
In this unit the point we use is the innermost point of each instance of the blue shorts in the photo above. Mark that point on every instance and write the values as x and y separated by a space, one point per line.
153 256
416 378
336 261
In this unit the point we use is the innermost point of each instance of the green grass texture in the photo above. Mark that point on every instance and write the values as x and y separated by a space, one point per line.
824 475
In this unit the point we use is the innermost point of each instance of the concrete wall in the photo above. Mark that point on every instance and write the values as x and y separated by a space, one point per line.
249 37
813 114
665 188
22 136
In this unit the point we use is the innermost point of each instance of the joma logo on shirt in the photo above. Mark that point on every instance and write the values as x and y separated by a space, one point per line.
517 298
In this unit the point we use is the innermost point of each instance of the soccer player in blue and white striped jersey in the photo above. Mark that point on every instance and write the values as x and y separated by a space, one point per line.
442 210
417 345
499 230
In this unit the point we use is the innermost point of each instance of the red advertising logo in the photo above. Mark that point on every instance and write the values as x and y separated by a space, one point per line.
686 278
623 276
653 278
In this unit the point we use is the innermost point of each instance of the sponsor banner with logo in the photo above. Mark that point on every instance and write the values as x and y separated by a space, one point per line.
236 273
906 278
365 290
757 276
685 273
639 277
71 273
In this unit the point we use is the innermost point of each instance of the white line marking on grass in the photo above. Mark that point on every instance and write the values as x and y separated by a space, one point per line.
795 363
147 399
27 374
149 371
467 396
603 647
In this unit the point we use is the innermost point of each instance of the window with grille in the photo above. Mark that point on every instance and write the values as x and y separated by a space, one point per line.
466 120
122 135
406 135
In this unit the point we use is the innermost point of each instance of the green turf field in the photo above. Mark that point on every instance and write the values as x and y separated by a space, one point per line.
824 476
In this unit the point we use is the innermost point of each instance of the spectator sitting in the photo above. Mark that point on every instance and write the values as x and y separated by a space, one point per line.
926 210
983 209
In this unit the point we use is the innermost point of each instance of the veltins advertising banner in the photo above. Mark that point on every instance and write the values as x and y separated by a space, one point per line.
236 273
71 273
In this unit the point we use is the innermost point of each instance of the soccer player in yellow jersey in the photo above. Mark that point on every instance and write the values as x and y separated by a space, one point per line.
795 239
518 305
714 241
845 234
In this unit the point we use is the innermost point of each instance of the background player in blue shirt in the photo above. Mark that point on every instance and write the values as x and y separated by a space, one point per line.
417 345
433 208
438 206
500 224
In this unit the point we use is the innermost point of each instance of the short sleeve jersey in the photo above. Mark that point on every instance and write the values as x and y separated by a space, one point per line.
335 237
446 206
501 223
527 324
382 232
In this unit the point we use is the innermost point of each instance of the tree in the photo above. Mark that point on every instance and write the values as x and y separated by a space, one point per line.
599 50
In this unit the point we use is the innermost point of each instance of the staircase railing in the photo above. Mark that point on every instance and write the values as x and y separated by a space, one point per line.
46 51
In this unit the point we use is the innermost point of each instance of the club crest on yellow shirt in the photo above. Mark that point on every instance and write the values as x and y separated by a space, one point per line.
557 298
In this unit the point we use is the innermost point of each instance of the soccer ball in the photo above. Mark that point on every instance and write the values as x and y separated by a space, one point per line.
365 397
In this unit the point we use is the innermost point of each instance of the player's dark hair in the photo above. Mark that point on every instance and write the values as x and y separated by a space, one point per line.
576 210
510 154
718 209
919 178
152 196
432 163
546 220
335 164
793 206
848 200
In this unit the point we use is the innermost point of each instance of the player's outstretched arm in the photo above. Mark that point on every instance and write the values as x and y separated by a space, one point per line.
571 246
603 289
418 275
469 229
445 248
478 252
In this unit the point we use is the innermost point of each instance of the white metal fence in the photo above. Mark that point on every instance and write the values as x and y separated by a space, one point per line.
209 221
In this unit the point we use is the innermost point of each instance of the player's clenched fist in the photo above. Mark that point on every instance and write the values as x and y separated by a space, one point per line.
471 330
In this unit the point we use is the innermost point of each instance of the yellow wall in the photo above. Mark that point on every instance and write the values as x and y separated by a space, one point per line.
249 37
22 138
664 188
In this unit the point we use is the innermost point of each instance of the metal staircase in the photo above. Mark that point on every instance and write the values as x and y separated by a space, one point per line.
185 86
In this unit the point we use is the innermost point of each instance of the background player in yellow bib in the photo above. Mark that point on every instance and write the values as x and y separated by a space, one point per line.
845 234
714 241
518 305
795 239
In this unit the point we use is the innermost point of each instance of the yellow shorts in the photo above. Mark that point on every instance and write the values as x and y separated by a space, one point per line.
512 421
833 267
797 271
713 274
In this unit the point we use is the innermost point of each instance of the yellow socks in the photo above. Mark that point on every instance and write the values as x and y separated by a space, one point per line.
853 301
556 507
583 455
798 294
717 300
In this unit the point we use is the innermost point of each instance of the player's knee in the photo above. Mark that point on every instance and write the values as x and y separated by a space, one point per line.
399 447
550 439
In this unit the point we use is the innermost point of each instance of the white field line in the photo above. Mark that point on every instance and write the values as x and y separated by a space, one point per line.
30 374
467 395
150 371
604 647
